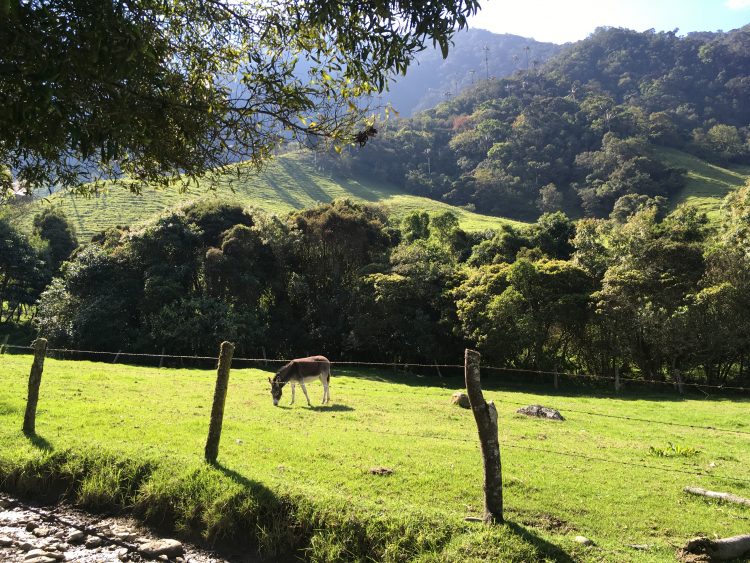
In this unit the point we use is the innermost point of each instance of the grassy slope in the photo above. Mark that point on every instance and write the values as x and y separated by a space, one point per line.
377 419
707 184
288 183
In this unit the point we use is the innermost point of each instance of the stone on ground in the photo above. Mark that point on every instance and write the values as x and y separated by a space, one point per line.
170 548
461 399
541 412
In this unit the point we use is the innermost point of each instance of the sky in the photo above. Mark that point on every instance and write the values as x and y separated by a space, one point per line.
560 21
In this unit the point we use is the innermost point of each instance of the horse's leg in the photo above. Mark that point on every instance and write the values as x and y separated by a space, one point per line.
292 393
304 390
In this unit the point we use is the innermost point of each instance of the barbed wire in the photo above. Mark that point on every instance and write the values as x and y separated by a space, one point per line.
590 377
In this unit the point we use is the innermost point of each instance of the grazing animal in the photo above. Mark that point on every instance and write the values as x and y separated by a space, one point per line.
299 372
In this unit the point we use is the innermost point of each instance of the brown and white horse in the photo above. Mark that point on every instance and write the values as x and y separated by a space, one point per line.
299 372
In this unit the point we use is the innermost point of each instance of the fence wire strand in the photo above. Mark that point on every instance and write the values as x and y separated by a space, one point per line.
586 376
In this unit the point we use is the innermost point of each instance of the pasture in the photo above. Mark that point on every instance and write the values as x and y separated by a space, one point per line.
288 183
299 478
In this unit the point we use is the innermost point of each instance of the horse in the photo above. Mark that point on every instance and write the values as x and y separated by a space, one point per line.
301 371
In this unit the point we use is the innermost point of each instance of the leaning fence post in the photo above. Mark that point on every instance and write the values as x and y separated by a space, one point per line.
220 395
485 415
4 344
35 380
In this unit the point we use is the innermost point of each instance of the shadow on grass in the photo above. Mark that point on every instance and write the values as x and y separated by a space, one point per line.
331 408
551 550
541 384
39 442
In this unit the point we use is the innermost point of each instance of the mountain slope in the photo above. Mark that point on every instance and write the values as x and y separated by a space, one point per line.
430 78
290 182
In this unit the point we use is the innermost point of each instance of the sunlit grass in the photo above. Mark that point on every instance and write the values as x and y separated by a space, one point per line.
707 184
406 423
288 183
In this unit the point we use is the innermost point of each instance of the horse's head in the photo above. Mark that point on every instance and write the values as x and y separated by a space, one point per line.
275 390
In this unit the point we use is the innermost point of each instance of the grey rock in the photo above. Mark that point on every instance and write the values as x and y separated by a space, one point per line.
5 541
122 554
93 541
26 546
4 503
76 537
541 412
35 553
168 547
31 526
41 559
583 540
41 531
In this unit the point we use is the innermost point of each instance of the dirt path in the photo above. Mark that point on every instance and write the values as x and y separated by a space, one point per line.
49 534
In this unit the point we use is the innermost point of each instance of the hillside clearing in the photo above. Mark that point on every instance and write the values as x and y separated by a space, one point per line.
707 184
290 182
320 458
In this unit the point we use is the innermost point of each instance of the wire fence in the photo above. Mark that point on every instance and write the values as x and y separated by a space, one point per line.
453 439
397 364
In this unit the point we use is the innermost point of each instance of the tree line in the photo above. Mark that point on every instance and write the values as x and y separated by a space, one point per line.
579 132
640 294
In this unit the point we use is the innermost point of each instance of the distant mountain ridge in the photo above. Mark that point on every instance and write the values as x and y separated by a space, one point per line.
430 79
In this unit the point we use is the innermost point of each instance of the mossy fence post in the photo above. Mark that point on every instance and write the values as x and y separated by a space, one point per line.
220 396
35 380
485 415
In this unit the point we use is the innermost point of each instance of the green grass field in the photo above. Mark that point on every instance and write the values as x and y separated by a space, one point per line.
707 184
288 183
308 470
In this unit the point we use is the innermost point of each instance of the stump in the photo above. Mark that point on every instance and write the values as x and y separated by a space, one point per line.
461 399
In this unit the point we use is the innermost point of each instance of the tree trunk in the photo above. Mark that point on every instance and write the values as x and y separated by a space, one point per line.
35 380
719 550
485 415
220 395
728 497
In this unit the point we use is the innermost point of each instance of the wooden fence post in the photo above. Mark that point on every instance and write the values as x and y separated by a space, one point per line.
4 344
220 395
35 380
485 415
161 358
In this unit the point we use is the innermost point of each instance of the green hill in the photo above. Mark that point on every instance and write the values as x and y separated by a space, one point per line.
707 183
288 183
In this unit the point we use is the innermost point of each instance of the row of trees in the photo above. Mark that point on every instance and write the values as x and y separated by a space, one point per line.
635 294
582 131
27 265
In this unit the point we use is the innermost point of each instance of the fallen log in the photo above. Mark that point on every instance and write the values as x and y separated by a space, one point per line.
716 550
728 497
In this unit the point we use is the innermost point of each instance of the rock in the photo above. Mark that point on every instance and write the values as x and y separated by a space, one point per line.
36 553
76 537
461 399
25 546
41 532
5 541
170 548
122 554
583 540
381 470
5 503
541 412
124 535
41 559
639 547
31 526
93 541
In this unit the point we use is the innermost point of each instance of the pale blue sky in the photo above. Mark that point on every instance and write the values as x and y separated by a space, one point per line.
559 21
